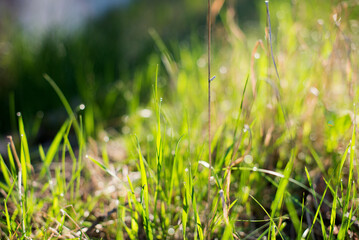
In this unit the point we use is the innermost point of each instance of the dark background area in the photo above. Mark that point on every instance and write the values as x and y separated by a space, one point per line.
93 60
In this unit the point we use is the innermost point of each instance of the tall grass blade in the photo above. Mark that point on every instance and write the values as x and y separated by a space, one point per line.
317 213
277 202
145 195
173 172
24 143
11 161
51 152
64 102
345 218
5 171
273 225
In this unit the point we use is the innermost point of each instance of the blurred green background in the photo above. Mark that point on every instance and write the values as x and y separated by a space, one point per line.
95 52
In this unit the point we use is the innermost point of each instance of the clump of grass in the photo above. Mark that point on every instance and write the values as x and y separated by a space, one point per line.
279 166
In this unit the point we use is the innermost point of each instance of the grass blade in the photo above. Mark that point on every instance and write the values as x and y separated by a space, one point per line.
64 102
51 153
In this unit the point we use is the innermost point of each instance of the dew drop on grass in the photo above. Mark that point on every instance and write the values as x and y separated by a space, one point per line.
171 231
161 99
82 106
203 163
212 181
149 137
145 113
106 138
126 130
201 63
87 156
186 170
301 155
255 169
18 114
248 159
223 70
257 55
314 91
246 128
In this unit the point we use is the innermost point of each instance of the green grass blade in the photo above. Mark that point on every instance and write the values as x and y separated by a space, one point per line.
145 196
64 102
300 231
23 167
103 167
11 160
5 171
273 224
277 202
293 215
345 220
317 213
7 214
24 143
51 153
197 218
173 172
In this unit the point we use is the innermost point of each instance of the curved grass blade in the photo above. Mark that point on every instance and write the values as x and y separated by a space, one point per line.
271 219
64 102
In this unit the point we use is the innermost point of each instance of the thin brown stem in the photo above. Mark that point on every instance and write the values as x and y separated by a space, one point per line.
13 149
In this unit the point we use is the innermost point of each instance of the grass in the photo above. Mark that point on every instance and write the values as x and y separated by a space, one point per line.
282 156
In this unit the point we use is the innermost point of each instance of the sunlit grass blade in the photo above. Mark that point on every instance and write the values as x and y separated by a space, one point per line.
185 209
145 195
196 215
345 218
293 215
24 142
64 102
51 152
7 214
11 160
103 167
173 172
24 171
5 171
277 202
